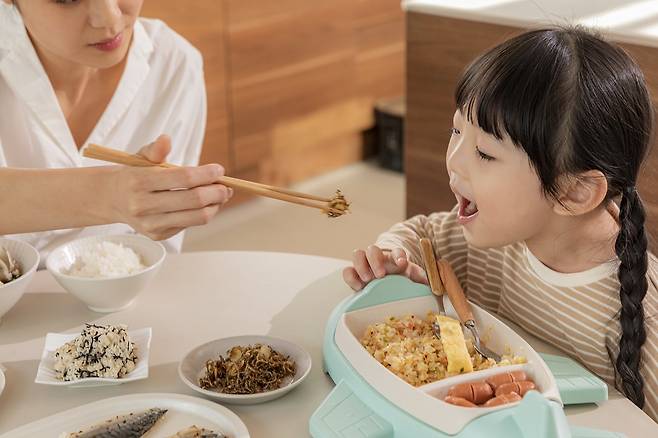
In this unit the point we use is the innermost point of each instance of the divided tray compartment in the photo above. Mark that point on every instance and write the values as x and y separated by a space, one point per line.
439 389
425 402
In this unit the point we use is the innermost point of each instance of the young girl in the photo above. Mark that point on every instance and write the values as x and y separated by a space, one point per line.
551 128
75 72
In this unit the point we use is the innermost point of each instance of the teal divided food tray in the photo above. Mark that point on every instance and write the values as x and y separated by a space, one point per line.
575 383
361 407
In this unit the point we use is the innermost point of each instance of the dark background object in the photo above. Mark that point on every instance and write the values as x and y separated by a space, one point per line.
389 120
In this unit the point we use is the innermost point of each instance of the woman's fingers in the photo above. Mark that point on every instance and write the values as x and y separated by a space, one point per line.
158 150
352 278
155 179
362 266
176 200
155 226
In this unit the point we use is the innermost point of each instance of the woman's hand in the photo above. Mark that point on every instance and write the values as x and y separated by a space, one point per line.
375 263
160 202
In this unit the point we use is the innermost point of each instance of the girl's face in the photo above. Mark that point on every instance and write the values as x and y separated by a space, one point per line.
499 193
93 33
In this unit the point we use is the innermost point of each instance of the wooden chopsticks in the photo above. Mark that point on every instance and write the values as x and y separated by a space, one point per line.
335 206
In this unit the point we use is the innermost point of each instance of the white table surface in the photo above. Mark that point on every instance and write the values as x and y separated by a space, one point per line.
197 297
631 21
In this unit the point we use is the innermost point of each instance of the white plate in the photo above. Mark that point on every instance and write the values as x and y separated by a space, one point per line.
193 364
183 411
46 374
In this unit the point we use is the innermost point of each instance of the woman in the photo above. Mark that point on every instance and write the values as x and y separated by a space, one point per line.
91 71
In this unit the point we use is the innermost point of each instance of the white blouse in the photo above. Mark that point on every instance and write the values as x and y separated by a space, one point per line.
161 92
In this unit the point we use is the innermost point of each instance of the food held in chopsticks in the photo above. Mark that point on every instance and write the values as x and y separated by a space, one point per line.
338 205
335 206
9 269
131 425
408 348
248 370
106 259
197 432
99 351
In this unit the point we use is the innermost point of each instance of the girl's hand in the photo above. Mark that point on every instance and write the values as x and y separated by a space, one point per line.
375 263
159 202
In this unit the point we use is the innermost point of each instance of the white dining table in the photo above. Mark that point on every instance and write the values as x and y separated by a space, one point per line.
198 297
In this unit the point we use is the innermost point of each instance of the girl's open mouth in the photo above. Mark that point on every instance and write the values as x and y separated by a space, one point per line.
468 210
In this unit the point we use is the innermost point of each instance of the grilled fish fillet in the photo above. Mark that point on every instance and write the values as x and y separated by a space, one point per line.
132 425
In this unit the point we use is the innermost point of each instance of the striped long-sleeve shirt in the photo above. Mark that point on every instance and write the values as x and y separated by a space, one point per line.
578 313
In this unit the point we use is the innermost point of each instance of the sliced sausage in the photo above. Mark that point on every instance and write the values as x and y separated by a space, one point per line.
459 401
509 377
503 399
518 387
475 392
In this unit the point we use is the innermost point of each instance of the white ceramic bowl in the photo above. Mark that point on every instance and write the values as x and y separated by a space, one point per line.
28 259
109 294
193 365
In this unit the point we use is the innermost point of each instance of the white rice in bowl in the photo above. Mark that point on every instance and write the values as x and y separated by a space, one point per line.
99 351
106 259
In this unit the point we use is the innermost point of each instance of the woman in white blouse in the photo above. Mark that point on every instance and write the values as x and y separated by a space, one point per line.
90 71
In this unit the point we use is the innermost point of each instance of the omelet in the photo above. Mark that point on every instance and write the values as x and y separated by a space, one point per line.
454 345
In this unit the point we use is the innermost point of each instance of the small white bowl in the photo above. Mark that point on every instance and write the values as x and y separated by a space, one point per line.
46 374
28 260
109 294
192 367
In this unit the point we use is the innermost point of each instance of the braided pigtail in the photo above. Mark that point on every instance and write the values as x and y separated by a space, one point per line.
631 248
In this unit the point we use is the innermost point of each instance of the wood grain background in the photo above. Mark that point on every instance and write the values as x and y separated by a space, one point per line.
291 84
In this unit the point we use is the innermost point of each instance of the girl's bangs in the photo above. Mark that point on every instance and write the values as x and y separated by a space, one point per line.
511 90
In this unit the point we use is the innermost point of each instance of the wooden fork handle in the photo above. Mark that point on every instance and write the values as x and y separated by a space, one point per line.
455 292
430 266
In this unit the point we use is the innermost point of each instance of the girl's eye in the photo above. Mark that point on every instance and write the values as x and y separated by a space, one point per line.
455 131
66 2
483 156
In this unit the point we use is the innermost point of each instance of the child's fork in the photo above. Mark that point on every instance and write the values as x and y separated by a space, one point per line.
463 308
434 277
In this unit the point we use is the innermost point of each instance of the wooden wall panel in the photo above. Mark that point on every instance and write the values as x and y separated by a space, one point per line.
291 84
273 46
248 12
438 48
288 69
304 78
379 28
202 23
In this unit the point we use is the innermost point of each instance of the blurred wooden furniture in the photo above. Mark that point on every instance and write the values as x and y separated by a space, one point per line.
440 42
291 84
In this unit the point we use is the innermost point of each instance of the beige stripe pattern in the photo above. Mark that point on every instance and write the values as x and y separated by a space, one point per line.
581 320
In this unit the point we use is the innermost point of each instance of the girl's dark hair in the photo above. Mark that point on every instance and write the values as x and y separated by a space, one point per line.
574 102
